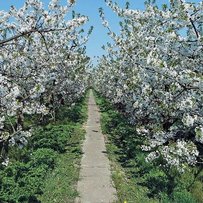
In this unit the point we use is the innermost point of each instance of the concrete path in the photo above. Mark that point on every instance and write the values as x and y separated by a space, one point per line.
95 184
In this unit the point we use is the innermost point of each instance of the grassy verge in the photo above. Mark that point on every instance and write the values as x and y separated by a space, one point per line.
47 169
136 180
127 188
60 185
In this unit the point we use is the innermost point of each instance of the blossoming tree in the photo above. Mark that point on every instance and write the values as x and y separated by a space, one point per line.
42 65
153 72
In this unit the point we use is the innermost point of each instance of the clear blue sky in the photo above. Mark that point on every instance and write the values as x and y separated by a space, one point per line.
90 8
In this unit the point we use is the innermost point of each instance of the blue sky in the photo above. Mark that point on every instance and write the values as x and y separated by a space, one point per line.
90 8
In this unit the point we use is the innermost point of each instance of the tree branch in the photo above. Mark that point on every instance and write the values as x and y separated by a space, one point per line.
2 42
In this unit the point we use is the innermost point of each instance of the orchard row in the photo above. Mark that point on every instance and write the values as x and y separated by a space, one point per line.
43 65
153 73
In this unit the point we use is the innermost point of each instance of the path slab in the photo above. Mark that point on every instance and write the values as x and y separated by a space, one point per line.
95 184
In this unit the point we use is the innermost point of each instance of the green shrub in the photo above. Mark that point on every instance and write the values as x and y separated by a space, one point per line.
43 157
183 197
75 114
197 191
18 154
157 181
21 182
53 137
184 181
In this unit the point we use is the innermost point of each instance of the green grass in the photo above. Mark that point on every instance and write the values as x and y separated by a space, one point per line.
127 188
60 186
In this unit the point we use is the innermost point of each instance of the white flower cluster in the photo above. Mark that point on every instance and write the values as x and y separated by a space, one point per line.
176 155
20 138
